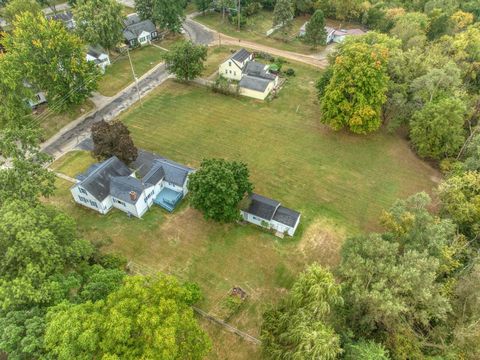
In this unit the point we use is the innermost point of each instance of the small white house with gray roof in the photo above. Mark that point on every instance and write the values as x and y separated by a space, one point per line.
270 214
138 32
111 184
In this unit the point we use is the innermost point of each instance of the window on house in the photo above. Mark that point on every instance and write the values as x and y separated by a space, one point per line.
82 199
142 39
119 202
93 203
229 63
235 73
82 191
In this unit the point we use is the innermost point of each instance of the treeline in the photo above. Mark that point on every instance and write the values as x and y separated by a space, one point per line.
409 292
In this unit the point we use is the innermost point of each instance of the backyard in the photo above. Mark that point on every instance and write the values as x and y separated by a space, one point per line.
339 182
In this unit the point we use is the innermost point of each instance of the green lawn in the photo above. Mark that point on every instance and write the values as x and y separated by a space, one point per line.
119 74
52 122
339 182
256 28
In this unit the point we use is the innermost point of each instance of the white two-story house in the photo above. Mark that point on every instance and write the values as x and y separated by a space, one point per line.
111 184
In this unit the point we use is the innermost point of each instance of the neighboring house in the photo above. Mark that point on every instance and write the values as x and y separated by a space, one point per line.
233 68
99 56
139 32
111 184
66 17
254 78
334 35
269 214
257 82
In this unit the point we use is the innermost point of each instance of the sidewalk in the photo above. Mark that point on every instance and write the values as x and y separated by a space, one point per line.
107 109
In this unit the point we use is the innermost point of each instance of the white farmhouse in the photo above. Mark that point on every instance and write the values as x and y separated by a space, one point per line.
233 67
99 56
269 214
111 184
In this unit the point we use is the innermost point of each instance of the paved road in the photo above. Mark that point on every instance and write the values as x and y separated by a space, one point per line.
197 32
69 139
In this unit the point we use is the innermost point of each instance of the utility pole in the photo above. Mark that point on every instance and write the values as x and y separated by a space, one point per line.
134 76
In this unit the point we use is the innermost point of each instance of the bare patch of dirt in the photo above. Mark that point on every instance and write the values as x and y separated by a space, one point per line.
322 242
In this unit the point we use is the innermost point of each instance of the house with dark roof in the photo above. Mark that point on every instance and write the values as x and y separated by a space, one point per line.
138 32
65 17
233 67
254 78
111 184
270 214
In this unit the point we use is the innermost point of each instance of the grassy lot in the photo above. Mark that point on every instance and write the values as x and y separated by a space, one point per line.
339 182
73 163
256 29
52 122
119 74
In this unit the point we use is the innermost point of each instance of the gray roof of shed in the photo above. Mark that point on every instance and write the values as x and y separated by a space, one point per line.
241 55
262 206
286 216
96 180
96 51
254 83
254 68
62 16
122 186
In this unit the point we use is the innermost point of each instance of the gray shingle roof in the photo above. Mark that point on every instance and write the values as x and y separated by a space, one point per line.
133 31
122 186
95 51
154 176
254 83
132 19
96 180
286 216
174 173
262 206
254 68
241 55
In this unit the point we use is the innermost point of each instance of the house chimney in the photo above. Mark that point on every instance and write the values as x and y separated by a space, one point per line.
133 195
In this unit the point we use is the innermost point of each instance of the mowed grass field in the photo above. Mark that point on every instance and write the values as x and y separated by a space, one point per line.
339 182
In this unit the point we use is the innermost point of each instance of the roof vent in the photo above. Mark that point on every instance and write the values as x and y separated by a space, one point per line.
133 195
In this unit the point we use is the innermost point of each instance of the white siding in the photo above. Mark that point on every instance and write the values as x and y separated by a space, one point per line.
258 94
84 198
230 70
255 220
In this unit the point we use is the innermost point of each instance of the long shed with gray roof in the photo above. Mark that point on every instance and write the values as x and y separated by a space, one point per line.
269 213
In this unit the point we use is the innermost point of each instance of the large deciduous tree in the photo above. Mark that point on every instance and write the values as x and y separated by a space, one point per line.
113 139
283 15
315 31
437 129
146 318
186 59
17 7
38 247
217 188
460 197
300 327
357 88
166 14
52 59
100 22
